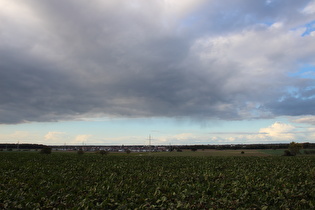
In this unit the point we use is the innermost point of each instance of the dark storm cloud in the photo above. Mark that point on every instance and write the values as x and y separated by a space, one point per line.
294 107
297 102
66 60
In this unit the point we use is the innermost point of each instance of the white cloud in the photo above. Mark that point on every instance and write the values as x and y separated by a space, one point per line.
20 136
306 119
311 136
55 137
267 51
82 139
309 9
180 139
60 138
16 11
184 136
181 8
255 60
279 131
268 2
277 25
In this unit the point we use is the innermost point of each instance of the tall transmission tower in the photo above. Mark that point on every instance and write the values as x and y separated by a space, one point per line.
150 139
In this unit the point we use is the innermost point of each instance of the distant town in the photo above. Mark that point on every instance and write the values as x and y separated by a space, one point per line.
147 148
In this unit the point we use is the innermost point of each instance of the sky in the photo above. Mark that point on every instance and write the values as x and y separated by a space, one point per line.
181 71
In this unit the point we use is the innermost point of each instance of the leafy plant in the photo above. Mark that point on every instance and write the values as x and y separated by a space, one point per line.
288 153
66 181
45 150
295 148
102 152
80 152
309 152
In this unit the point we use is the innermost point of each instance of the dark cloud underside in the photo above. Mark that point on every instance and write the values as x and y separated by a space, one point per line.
66 60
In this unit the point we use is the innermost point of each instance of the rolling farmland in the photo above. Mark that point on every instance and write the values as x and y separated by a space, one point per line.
63 180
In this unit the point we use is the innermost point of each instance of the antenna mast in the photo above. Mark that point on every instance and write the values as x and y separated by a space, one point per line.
150 143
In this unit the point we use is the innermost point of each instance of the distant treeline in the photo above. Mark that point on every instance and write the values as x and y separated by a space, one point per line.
21 146
306 145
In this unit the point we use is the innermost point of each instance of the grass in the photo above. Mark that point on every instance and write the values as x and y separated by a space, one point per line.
277 152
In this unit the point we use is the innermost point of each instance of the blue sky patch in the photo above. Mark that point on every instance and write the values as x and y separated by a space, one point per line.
307 71
310 27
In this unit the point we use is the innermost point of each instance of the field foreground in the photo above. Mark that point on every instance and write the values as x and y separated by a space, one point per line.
66 180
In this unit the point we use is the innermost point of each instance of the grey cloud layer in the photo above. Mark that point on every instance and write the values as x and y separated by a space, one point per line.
66 60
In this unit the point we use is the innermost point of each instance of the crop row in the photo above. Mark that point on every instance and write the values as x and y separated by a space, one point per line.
61 180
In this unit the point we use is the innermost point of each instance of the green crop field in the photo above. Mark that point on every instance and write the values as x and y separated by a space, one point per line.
212 152
29 180
277 152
